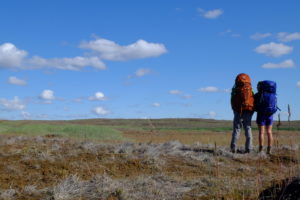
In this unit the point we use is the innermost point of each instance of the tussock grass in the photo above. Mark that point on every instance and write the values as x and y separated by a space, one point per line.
165 159
43 167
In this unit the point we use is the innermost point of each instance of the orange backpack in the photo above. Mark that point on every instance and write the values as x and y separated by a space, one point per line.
242 97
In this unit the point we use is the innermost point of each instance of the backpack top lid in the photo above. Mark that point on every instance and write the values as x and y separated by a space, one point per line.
266 86
242 78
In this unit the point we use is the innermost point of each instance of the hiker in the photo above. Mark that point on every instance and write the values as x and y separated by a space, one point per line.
265 102
242 103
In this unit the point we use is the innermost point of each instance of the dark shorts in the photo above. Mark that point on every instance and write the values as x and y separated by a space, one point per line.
264 120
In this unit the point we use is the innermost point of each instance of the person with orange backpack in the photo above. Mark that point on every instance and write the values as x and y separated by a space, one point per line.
242 103
265 101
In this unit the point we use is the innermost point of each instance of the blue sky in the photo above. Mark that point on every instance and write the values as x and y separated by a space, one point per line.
143 59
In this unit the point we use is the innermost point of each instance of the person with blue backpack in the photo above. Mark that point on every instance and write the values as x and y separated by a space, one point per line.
265 103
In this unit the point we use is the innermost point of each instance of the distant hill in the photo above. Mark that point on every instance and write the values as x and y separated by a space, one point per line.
184 123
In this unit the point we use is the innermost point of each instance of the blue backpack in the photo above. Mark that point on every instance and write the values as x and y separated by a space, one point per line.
266 101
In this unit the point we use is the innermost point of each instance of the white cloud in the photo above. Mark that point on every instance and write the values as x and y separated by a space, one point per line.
78 100
180 94
212 114
47 96
209 89
11 56
260 36
12 105
231 33
210 14
109 50
274 49
226 32
156 105
287 37
228 90
187 96
285 64
15 81
101 111
98 96
26 115
175 92
75 63
42 116
142 72
298 84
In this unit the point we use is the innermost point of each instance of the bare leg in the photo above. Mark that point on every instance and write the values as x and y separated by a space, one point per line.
270 135
261 135
270 138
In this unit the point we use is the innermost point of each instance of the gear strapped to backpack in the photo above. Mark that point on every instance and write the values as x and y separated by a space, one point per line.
266 100
242 97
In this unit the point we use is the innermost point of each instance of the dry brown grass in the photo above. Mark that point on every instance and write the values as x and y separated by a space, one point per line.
222 138
60 168
147 167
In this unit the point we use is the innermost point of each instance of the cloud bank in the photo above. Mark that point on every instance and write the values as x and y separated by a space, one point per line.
109 50
100 111
12 105
212 114
11 56
98 96
75 63
210 14
156 105
16 81
285 64
47 96
209 89
101 49
175 92
260 36
274 49
288 37
142 72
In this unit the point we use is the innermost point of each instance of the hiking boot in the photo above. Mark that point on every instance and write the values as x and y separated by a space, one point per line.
233 150
260 149
269 150
247 151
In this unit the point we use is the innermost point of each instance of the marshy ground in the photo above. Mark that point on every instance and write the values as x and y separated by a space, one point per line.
137 159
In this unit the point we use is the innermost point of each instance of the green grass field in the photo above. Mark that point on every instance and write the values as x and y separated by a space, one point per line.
141 130
70 130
